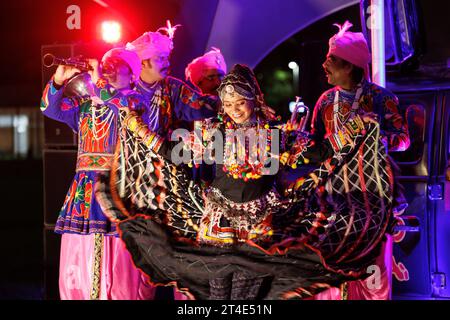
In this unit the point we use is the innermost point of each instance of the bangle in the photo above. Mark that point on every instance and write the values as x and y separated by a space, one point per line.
131 122
149 137
142 130
158 141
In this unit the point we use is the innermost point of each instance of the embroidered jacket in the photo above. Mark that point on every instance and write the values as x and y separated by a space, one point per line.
96 124
373 99
170 101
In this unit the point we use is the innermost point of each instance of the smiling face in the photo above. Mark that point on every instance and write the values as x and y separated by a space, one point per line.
239 109
338 73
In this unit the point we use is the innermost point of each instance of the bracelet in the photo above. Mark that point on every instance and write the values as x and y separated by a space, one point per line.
139 129
158 144
130 121
153 141
142 130
149 137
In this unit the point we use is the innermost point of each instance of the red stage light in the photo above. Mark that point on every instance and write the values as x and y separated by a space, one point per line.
111 31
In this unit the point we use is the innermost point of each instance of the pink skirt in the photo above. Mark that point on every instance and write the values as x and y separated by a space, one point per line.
99 267
376 287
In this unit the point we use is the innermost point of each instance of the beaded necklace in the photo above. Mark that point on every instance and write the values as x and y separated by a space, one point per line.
340 119
246 149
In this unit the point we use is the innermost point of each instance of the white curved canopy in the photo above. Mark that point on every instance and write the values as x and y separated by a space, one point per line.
247 30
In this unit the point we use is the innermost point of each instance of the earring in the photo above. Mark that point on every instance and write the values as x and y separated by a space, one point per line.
220 115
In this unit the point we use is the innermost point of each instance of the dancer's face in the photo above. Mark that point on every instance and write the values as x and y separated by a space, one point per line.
338 73
237 108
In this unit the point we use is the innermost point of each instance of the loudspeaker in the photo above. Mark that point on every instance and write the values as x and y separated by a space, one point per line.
58 134
52 244
59 169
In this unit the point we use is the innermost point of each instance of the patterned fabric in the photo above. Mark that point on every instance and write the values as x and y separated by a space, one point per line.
135 164
360 193
337 214
395 135
97 267
94 162
170 101
96 127
81 212
226 222
373 99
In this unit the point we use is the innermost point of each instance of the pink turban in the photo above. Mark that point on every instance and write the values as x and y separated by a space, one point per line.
213 59
350 46
130 57
151 44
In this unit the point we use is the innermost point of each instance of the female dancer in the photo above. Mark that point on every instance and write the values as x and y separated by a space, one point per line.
242 238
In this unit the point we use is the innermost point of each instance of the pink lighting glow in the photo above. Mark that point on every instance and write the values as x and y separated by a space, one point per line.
111 31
